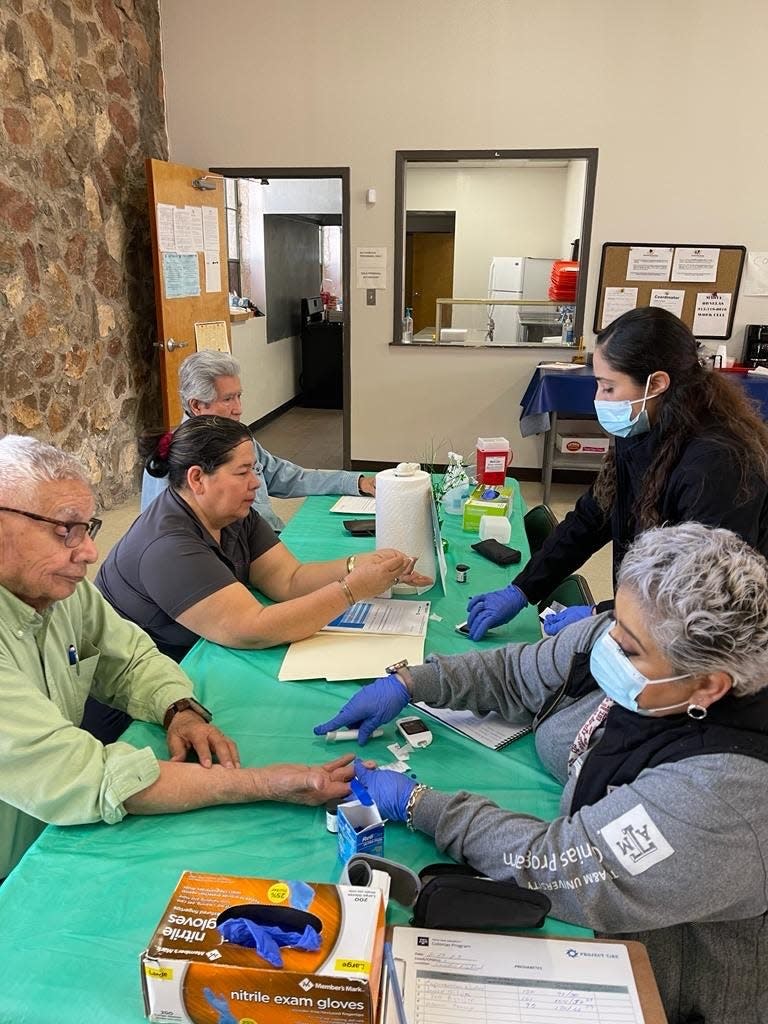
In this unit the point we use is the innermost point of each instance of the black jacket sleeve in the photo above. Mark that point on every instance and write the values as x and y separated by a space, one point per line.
583 532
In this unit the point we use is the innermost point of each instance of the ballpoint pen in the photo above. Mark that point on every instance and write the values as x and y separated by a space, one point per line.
394 984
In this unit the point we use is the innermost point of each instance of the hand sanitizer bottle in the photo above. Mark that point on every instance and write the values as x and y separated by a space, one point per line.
407 336
567 329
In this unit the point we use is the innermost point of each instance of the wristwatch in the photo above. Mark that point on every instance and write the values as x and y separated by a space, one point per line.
186 704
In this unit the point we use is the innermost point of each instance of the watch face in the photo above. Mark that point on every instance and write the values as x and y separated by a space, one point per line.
413 726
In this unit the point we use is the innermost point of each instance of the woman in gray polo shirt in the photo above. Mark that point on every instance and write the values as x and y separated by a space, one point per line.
184 568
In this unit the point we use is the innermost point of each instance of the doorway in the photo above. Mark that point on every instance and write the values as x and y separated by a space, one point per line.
429 248
313 204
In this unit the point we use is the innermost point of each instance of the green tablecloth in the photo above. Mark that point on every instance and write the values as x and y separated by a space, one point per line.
84 901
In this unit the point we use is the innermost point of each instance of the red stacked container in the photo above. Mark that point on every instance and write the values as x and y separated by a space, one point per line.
564 281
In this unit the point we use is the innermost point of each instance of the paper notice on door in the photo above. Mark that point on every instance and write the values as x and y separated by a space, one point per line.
166 236
647 264
663 298
210 228
212 272
755 274
695 264
195 215
211 335
181 275
616 302
710 320
182 225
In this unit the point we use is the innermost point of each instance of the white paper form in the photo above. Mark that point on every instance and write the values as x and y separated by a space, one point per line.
666 298
195 215
182 226
166 236
695 264
210 229
382 615
616 302
355 505
647 264
710 318
212 272
755 274
452 977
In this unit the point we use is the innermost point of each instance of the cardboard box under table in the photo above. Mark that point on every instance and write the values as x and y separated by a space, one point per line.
191 975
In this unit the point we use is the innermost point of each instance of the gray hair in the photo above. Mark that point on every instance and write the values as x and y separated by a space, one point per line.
198 374
25 463
704 593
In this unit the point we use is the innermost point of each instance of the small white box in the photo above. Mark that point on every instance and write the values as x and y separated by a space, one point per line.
453 333
583 444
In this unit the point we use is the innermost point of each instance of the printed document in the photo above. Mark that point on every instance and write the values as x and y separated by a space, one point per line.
383 615
355 505
452 977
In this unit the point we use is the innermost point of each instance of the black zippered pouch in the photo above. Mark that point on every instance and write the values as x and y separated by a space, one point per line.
455 896
501 554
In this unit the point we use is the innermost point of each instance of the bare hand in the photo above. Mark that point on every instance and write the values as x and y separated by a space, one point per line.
309 784
188 731
378 571
367 485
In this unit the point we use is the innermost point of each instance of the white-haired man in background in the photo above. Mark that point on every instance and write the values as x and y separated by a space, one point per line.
60 642
209 385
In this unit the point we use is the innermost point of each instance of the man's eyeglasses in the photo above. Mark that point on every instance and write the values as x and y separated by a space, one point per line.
76 532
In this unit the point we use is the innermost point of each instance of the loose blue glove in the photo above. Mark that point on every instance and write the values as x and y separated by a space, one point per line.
375 704
494 609
267 939
390 790
554 623
300 895
221 1005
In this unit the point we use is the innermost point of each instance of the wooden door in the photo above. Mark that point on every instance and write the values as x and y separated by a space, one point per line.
170 186
431 276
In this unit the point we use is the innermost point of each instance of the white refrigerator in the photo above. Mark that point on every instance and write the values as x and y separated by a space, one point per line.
517 277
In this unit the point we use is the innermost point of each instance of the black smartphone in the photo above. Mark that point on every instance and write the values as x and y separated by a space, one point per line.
360 527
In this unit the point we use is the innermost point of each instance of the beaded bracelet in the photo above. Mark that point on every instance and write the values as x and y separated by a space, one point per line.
348 592
416 794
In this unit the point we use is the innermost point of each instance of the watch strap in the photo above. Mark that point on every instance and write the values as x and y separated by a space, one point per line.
185 704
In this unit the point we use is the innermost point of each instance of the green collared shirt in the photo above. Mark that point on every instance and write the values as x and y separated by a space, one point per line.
50 769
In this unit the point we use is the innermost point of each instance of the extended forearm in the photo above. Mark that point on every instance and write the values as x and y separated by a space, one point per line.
285 622
184 787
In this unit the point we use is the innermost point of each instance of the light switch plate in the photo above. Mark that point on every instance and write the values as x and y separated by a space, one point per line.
370 296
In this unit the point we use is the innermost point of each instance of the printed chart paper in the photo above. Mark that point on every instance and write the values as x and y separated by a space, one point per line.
181 275
647 264
452 977
695 264
382 615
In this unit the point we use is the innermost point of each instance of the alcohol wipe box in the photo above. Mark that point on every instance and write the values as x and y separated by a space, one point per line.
361 830
328 972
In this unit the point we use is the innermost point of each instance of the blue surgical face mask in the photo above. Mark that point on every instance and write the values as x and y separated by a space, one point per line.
616 417
618 678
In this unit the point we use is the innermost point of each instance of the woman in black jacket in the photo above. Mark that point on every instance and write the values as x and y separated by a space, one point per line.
689 446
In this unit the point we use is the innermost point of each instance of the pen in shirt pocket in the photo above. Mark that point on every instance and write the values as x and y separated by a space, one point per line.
74 661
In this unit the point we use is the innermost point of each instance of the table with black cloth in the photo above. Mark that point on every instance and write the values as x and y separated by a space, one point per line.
553 393
84 901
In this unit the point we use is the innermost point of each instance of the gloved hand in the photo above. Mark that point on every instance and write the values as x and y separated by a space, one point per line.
554 623
375 704
485 611
390 790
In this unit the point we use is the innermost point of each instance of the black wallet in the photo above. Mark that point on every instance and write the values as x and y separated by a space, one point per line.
496 552
455 896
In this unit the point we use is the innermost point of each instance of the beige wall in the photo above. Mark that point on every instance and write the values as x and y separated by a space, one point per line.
672 94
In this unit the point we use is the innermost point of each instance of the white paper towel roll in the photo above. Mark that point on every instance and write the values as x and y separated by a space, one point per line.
404 517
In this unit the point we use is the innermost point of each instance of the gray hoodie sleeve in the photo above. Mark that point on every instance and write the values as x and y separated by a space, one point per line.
504 679
679 844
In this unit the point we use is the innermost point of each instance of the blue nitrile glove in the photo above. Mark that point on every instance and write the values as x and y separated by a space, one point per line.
267 939
494 609
374 705
390 790
554 623
300 895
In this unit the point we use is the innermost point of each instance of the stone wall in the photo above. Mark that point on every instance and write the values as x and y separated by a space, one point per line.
81 98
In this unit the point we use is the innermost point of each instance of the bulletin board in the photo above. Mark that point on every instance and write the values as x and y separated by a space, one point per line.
699 304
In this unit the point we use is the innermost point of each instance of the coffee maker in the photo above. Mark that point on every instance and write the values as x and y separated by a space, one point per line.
755 345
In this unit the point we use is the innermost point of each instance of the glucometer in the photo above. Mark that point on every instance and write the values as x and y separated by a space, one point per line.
463 628
414 731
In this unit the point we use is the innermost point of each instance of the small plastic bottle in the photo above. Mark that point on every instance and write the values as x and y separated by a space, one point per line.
407 336
567 329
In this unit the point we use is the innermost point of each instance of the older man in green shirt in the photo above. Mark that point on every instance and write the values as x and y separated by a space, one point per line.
61 642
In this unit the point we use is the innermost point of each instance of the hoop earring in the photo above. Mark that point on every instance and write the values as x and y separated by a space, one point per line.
697 712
